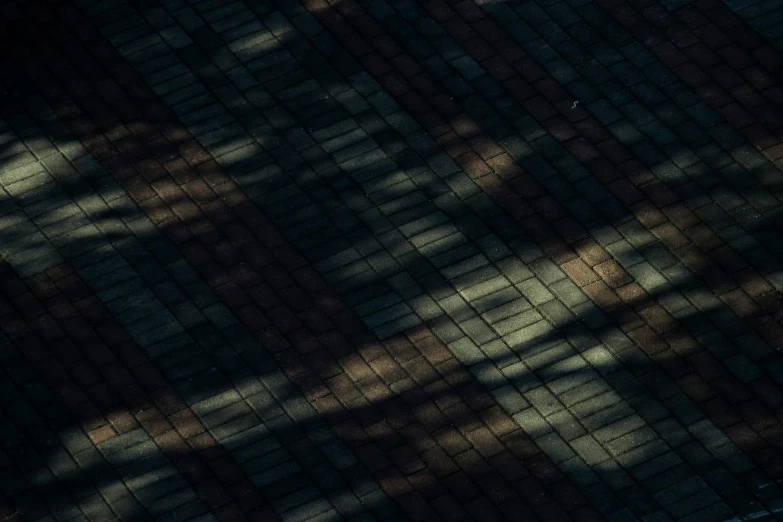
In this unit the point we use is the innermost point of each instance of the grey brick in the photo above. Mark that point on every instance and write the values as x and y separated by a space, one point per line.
521 377
476 277
533 423
543 400
466 351
496 299
534 291
515 323
478 331
521 338
576 386
589 450
510 399
557 313
514 269
500 354
547 271
602 411
629 441
566 425
456 307
485 288
568 293
465 266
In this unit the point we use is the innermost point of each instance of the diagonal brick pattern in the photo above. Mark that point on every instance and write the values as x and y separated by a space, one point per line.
643 336
739 83
196 344
686 140
128 414
764 17
545 432
456 395
686 316
550 436
386 260
249 407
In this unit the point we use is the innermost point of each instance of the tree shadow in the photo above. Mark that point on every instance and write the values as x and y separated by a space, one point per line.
328 199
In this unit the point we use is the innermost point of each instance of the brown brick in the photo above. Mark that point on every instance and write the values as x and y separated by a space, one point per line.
579 272
752 282
670 235
625 192
722 413
757 415
416 435
543 469
374 389
454 373
768 392
746 438
611 272
705 238
674 365
602 295
401 349
741 303
473 165
681 216
385 436
696 388
406 460
647 340
505 167
392 481
706 365
558 250
732 389
123 421
153 421
570 229
187 423
647 214
498 421
443 394
343 388
433 350
485 442
451 440
170 442
634 296
430 416
421 371
659 319
356 368
102 434
473 464
463 418
591 252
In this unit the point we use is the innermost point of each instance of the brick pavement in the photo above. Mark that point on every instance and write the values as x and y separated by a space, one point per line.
682 128
643 336
122 404
762 16
369 260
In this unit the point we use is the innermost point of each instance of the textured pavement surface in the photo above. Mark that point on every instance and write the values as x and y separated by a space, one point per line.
365 260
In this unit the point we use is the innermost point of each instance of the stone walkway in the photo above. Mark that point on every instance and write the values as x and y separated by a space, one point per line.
364 260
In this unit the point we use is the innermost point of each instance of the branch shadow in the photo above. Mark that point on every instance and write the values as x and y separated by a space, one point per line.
329 200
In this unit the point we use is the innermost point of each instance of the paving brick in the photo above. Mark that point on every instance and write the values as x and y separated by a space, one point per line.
485 306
